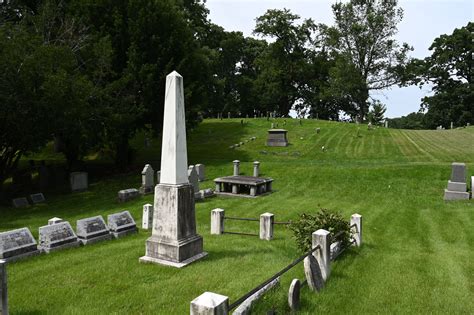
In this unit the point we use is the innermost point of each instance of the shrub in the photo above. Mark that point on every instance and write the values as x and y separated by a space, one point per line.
333 222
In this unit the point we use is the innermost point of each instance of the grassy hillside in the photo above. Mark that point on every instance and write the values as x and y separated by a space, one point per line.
416 258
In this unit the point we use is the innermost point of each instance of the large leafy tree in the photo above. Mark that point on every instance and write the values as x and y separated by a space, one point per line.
449 70
363 35
284 62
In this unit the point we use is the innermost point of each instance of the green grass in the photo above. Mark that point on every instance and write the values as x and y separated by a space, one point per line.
417 255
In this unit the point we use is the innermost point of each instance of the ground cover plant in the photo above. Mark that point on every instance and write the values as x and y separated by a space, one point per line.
417 253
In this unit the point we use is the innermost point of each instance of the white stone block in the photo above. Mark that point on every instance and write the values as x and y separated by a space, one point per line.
356 219
147 220
266 226
323 255
236 167
217 221
210 303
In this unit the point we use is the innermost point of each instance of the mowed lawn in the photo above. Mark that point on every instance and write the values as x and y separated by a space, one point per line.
417 255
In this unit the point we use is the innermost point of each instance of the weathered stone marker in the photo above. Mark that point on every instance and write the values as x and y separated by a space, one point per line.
79 181
266 226
201 170
147 219
174 241
236 167
256 168
20 202
148 180
457 187
217 221
3 288
17 244
37 198
323 256
92 230
57 236
277 138
128 194
193 178
55 220
294 295
210 303
121 224
356 219
313 274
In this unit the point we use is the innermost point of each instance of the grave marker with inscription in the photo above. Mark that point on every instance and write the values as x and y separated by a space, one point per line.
128 194
57 236
17 244
79 181
121 224
20 202
92 230
37 198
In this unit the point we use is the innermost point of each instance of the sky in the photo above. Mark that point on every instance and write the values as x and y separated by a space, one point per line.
423 21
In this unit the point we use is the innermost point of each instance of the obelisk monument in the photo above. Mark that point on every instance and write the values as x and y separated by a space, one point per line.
174 241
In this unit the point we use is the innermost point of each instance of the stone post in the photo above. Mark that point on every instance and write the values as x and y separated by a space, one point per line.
228 115
356 219
256 168
235 188
452 125
217 221
174 240
323 256
55 220
236 167
147 219
3 288
253 190
266 226
218 187
210 303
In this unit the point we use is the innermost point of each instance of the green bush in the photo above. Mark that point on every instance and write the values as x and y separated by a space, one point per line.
333 222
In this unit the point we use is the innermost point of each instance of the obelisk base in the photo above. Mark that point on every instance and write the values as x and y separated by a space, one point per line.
174 241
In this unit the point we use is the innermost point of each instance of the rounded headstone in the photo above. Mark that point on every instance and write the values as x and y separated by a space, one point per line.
294 295
313 273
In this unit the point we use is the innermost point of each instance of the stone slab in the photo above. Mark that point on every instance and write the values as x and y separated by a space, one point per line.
20 202
121 224
458 172
277 138
17 244
37 198
57 236
79 181
128 194
245 307
184 263
457 186
294 295
455 195
313 274
92 230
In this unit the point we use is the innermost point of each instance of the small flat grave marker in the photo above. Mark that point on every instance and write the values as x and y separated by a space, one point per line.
57 236
37 198
20 202
17 244
121 224
92 230
128 194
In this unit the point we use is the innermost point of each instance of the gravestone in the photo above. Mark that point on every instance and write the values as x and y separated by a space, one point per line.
56 237
277 138
92 230
147 219
457 187
3 288
17 244
121 224
79 181
294 295
37 198
193 178
318 130
174 241
128 194
20 202
158 175
313 274
148 180
200 169
55 220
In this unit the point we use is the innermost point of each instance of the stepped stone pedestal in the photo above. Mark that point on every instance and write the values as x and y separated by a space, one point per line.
457 187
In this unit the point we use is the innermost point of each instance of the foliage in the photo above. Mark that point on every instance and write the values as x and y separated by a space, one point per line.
449 71
376 114
333 222
363 34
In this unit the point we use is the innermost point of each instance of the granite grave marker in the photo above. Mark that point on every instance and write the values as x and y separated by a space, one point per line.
17 244
121 224
92 230
56 237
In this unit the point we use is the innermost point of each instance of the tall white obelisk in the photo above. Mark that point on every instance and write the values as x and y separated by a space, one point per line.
174 241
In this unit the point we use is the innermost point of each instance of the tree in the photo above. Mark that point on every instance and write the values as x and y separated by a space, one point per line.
284 61
449 70
376 115
363 34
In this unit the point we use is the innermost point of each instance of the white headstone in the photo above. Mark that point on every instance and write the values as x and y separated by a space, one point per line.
210 303
148 176
147 220
174 155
